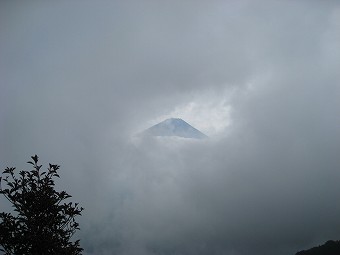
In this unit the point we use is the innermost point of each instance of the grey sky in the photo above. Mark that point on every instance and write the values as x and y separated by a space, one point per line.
78 78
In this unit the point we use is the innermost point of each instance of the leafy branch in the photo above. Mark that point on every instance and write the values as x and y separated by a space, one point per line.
43 223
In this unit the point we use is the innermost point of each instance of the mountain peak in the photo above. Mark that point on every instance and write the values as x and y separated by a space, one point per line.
175 127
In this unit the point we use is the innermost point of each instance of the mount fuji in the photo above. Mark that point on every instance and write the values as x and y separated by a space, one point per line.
175 127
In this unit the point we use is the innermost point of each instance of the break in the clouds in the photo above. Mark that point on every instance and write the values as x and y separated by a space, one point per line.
261 78
209 112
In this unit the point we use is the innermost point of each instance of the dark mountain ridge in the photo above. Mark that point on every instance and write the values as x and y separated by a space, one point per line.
328 248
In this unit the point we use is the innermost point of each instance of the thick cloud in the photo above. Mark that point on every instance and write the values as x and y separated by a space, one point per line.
78 79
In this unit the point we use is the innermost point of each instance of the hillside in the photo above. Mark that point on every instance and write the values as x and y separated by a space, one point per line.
329 248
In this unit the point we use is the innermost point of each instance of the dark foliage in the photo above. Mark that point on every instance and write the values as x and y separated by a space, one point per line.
329 248
42 223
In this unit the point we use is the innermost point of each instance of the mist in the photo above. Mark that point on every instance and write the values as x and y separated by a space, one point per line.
79 80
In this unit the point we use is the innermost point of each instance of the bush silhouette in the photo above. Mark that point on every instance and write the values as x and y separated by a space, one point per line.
42 223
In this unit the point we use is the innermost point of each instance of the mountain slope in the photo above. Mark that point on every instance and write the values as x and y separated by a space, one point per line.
329 248
175 127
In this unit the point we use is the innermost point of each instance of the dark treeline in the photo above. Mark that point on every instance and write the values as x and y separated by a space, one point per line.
329 248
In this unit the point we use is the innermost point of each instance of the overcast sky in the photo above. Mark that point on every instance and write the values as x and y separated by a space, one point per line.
78 80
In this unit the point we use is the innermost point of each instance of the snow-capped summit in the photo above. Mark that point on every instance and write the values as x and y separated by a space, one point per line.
175 127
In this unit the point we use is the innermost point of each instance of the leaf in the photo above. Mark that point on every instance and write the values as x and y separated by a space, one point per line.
35 158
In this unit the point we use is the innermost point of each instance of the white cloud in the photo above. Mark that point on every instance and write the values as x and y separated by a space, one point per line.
208 112
261 78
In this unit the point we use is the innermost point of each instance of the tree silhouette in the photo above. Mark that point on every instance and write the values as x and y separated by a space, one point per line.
42 223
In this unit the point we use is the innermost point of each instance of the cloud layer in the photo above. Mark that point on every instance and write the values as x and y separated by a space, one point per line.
78 79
